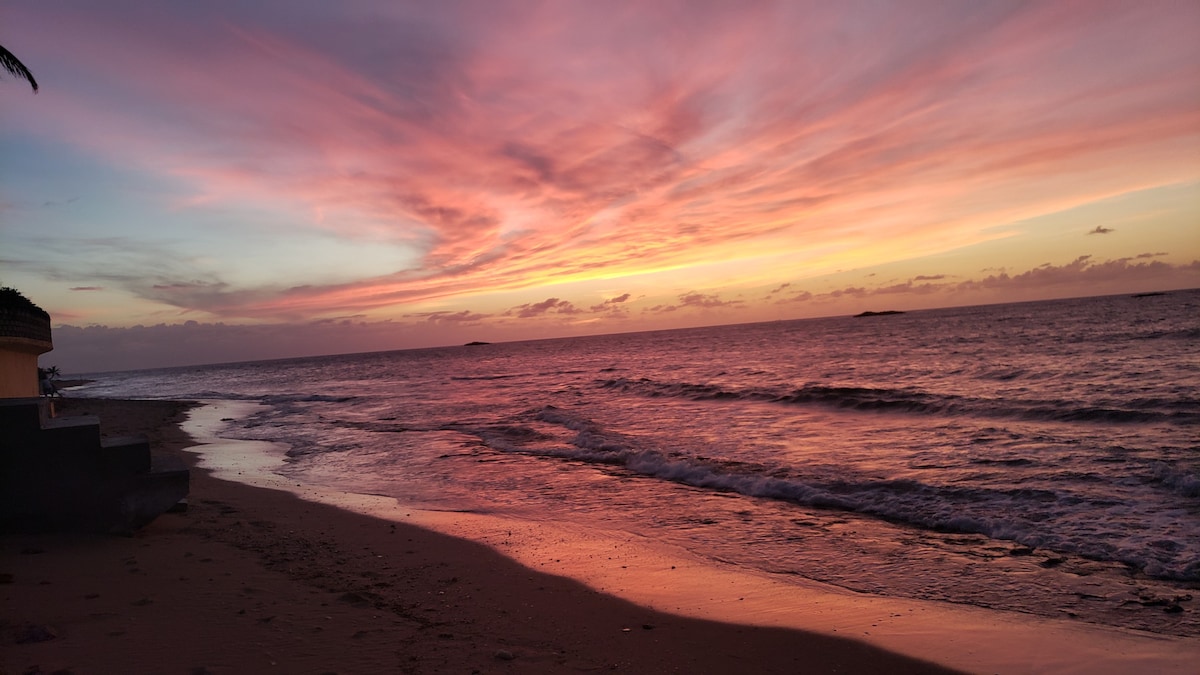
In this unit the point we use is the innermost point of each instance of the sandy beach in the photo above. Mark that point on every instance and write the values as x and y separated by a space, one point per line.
255 580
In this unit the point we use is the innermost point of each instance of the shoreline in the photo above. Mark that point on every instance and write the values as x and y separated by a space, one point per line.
250 579
653 575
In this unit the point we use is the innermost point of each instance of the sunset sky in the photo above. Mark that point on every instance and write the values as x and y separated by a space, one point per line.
217 181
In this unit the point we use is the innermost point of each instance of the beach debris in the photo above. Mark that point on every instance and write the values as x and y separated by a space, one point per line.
505 655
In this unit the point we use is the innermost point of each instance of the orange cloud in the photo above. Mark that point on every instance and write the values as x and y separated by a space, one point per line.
529 146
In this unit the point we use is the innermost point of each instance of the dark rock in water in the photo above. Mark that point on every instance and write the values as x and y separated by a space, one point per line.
476 344
883 313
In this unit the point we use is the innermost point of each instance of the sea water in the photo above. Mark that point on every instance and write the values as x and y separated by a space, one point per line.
1036 457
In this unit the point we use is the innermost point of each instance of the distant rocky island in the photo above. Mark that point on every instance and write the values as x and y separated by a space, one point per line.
1153 294
476 344
883 313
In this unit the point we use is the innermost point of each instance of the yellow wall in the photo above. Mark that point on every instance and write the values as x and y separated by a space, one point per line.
18 367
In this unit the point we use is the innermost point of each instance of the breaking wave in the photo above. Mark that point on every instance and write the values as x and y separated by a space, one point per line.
911 401
1033 517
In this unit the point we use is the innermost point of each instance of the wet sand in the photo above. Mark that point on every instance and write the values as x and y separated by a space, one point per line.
252 580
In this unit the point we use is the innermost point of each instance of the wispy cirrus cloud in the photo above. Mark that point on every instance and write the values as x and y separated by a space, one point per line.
448 151
533 142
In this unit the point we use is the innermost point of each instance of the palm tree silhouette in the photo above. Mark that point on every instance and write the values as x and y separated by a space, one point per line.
15 68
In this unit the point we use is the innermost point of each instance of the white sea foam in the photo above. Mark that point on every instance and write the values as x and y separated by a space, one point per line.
1003 453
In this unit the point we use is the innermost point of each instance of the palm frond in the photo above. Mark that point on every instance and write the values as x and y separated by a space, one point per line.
14 66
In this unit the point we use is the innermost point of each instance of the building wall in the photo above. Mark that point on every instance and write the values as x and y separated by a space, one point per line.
18 367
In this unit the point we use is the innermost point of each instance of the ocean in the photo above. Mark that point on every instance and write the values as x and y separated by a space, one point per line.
1038 457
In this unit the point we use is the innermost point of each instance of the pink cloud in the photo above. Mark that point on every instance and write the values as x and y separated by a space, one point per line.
612 307
801 296
696 300
1083 272
511 145
463 317
80 349
548 306
1082 276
